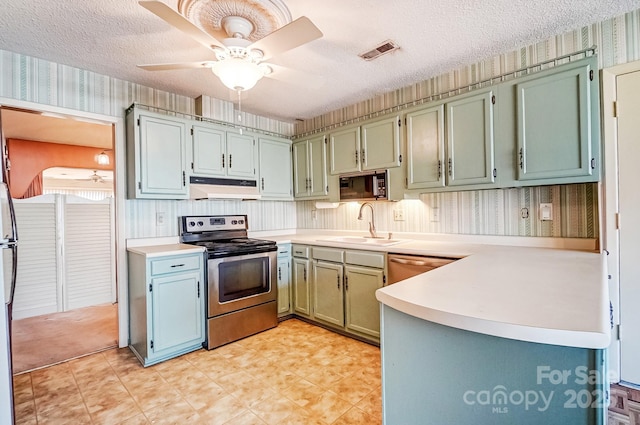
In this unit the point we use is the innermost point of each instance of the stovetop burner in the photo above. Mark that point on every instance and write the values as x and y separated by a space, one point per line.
222 236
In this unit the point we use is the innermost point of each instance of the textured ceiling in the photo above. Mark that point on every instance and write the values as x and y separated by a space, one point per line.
435 36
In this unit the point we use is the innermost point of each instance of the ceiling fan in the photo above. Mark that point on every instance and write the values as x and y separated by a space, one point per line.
239 61
95 178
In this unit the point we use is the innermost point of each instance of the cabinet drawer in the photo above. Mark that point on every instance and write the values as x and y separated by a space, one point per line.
300 251
364 258
328 254
175 264
284 250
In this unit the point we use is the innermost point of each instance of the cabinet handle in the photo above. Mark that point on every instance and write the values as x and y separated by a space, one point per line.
439 169
363 156
304 274
521 158
222 160
279 273
262 183
356 157
346 283
450 167
230 160
177 265
338 279
198 289
184 179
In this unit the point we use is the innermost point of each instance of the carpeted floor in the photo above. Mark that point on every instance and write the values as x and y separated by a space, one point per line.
53 338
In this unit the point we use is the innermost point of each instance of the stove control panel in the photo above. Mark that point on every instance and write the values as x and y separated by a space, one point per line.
195 224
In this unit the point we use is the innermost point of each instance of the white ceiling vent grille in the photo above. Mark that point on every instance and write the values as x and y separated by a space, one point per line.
383 48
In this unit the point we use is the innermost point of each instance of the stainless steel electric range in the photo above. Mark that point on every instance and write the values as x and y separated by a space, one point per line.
241 277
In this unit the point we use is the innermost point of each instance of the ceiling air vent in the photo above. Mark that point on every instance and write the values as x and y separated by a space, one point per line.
384 47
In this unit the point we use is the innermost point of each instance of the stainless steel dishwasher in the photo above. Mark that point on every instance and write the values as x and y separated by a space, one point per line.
404 266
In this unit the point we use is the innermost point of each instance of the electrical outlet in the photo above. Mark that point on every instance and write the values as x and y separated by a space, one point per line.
435 214
314 214
160 219
398 215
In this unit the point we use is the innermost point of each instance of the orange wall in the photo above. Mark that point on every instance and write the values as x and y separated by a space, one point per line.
28 159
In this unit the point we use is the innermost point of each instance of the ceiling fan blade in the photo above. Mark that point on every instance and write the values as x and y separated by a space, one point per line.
180 22
170 66
290 36
295 77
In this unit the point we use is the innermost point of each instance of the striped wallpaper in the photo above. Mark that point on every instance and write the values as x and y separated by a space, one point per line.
475 212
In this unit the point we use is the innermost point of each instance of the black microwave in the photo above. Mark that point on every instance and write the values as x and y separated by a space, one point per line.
364 186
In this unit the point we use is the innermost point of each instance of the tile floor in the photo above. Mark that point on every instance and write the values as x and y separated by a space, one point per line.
296 373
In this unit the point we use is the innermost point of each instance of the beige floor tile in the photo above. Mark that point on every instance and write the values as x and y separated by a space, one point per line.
58 411
328 407
301 416
247 418
253 393
222 411
25 413
274 410
372 404
355 416
352 388
176 413
303 393
22 388
204 396
324 378
136 420
234 381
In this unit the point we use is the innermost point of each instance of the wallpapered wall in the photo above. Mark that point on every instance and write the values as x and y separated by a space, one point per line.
489 212
477 212
34 80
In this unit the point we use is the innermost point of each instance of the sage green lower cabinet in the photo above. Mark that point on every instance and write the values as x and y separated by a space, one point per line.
344 286
301 277
284 279
328 296
362 307
166 305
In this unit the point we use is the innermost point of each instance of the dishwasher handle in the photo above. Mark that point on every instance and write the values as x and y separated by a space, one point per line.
408 262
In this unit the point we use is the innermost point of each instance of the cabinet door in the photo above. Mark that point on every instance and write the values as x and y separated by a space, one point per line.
344 148
242 154
362 307
470 144
301 169
318 166
162 157
425 148
381 144
208 151
275 169
177 316
328 298
554 125
301 288
284 285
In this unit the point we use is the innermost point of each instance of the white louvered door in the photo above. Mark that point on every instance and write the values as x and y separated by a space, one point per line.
65 254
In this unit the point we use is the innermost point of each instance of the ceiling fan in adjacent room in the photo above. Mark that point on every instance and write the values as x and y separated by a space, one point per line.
242 35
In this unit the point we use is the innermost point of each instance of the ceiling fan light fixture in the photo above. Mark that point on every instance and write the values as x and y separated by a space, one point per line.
238 74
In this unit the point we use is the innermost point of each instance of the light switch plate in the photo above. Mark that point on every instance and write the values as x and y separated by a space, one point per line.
546 212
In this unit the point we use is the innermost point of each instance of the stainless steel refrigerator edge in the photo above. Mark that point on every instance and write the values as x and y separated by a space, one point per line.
8 246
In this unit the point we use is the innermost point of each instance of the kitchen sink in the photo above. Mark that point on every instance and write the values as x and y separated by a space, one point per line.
358 240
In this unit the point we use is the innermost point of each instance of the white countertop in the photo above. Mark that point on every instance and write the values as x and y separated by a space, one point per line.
164 250
528 293
549 296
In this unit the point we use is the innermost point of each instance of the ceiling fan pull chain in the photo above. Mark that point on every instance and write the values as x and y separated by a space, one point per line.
240 109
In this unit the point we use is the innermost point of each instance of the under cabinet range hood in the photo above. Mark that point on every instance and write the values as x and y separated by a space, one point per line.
219 188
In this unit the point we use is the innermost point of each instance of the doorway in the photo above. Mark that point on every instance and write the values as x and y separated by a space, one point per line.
621 103
74 313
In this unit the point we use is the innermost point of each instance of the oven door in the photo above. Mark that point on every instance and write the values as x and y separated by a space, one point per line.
240 281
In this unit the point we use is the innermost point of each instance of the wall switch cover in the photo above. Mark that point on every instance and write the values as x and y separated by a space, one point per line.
160 219
546 212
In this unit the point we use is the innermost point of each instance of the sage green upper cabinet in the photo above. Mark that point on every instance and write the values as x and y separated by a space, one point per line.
344 148
220 153
156 156
372 146
275 168
470 139
209 151
425 148
557 129
381 144
310 168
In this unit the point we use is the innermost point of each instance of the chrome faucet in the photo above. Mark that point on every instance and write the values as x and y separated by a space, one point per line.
372 226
